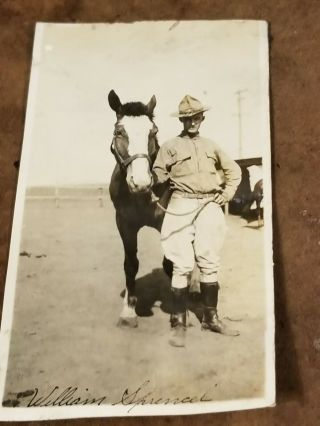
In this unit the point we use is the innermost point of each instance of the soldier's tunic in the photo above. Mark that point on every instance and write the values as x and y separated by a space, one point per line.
192 165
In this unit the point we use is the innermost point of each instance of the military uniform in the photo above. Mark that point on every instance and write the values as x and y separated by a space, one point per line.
191 165
194 229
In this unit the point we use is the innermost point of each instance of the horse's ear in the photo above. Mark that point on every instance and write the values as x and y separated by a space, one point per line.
151 105
114 101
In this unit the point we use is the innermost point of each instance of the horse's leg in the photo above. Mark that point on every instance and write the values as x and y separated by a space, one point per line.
258 196
260 222
246 207
128 316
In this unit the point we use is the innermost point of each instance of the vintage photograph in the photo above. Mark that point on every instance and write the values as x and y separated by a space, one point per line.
140 275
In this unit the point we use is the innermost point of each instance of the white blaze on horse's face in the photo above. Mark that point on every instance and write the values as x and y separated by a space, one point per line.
138 171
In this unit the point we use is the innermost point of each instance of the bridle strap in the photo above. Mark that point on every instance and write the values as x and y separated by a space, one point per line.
133 157
116 153
125 163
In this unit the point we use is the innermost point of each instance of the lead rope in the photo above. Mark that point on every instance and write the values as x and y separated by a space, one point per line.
187 213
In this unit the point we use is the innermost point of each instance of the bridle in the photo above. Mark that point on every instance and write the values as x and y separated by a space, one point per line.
125 162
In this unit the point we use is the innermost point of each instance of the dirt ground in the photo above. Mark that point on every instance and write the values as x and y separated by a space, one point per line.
68 302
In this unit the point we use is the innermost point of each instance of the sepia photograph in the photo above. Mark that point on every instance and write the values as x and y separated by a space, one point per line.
140 275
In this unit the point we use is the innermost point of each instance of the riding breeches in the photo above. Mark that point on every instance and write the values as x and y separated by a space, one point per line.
197 236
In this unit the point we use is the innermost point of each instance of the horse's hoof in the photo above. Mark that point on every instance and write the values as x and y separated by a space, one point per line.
128 322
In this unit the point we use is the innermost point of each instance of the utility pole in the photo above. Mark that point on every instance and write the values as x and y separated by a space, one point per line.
239 114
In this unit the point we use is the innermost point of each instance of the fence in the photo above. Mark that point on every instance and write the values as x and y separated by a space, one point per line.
61 193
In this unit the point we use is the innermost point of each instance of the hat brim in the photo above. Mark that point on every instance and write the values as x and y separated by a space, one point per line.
190 114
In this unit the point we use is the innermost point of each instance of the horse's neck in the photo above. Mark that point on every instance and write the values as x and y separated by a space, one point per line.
118 186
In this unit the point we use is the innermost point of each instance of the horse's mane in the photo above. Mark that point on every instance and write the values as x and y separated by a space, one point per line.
135 109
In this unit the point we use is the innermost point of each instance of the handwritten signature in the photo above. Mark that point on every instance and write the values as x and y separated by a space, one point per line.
72 396
55 398
139 397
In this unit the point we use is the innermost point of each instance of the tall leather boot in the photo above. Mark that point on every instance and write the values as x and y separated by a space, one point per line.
178 318
210 319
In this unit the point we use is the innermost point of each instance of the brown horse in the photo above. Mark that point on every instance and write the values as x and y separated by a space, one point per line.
135 147
256 195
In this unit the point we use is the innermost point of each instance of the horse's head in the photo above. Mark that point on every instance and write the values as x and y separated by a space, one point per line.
135 143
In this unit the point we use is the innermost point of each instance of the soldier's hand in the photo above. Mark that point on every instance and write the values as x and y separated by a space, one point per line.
154 198
219 199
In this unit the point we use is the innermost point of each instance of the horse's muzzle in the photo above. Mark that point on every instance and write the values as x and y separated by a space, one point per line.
139 188
140 184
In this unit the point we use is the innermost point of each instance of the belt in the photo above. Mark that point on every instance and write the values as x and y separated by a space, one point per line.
190 195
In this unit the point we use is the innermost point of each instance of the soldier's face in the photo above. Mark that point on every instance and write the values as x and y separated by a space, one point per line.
193 123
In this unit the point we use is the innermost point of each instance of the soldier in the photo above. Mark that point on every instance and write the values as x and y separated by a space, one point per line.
194 228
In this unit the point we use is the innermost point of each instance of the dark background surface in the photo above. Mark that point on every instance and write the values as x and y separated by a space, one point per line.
295 104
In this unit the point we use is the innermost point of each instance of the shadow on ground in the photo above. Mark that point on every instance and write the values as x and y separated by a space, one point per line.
154 288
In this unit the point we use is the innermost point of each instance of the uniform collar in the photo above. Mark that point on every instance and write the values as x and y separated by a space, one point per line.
184 134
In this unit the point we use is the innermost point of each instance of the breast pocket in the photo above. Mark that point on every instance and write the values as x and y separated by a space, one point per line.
210 163
182 165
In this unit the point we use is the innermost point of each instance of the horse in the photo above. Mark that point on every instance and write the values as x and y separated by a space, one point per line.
256 194
249 191
257 197
135 147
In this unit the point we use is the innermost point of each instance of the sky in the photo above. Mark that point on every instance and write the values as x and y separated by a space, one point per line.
76 65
